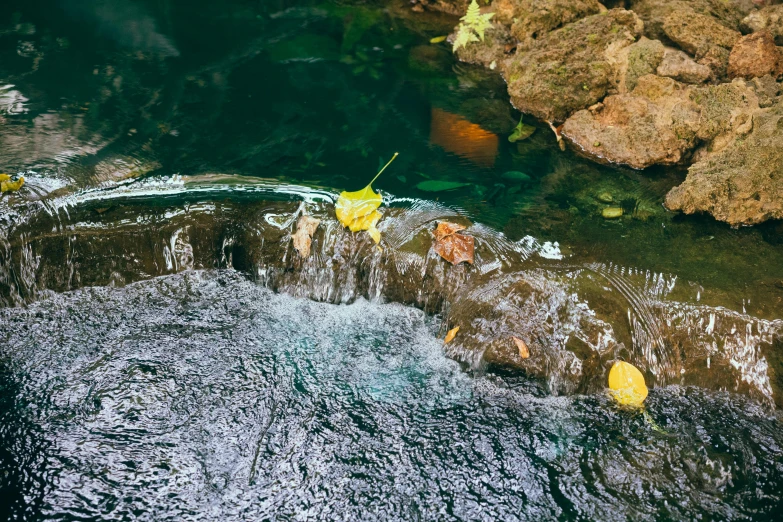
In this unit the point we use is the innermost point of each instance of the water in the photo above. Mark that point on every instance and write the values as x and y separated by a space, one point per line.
203 396
147 371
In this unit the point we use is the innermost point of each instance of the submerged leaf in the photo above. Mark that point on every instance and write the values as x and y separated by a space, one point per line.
451 335
305 228
452 246
438 39
521 132
6 185
524 352
627 384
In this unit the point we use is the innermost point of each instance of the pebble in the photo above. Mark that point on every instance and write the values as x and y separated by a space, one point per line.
604 197
612 212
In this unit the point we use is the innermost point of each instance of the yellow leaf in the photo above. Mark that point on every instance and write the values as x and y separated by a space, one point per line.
451 335
438 39
352 206
358 210
627 384
6 185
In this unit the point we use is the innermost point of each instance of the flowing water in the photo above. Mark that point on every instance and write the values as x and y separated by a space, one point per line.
164 354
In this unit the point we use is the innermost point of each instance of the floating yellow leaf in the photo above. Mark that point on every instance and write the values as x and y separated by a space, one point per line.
627 384
438 39
522 347
451 335
6 185
359 210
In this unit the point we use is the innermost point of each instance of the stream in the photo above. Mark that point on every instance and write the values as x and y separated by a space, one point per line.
166 355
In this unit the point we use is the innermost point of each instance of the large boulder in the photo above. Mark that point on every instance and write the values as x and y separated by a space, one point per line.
755 55
655 124
653 12
697 33
662 121
742 184
571 68
769 18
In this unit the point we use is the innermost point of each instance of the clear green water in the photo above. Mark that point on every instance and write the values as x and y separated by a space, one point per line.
319 94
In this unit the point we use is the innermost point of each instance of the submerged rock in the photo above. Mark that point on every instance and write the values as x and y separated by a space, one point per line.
742 184
755 55
571 68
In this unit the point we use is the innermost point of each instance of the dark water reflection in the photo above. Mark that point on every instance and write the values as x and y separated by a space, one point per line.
203 396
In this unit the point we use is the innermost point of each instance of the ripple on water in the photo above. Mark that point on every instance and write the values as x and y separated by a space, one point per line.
204 396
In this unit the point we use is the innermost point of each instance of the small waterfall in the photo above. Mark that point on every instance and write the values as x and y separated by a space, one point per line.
576 319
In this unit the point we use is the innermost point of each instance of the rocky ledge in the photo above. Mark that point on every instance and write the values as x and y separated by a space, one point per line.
653 82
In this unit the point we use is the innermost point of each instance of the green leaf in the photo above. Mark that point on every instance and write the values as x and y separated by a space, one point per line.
440 186
515 175
521 132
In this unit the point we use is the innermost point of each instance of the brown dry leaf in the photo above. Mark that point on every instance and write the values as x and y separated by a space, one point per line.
446 229
452 246
522 347
303 238
451 335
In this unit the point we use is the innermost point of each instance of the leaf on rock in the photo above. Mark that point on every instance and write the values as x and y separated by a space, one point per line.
446 229
521 132
451 245
305 228
6 185
524 352
451 335
358 210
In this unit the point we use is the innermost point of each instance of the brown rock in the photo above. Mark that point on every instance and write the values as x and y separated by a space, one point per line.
532 19
743 183
655 124
769 18
717 59
571 68
755 55
696 33
679 66
492 49
637 60
653 12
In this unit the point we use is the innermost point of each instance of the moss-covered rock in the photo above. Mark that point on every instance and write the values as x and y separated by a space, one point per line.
653 12
571 68
637 60
697 33
532 19
655 124
742 184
